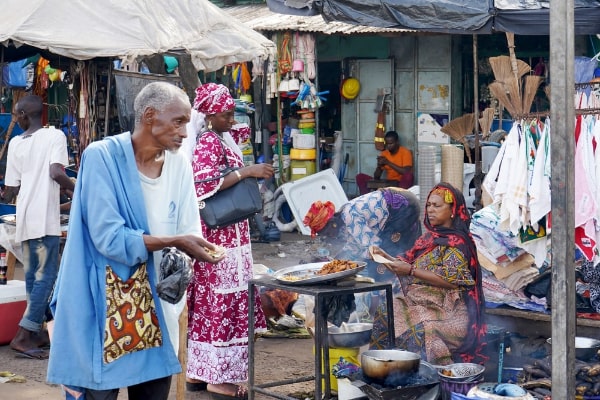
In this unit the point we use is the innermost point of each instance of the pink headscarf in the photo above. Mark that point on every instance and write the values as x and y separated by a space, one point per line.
212 98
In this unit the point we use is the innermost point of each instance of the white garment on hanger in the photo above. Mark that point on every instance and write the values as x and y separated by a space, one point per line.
540 193
515 199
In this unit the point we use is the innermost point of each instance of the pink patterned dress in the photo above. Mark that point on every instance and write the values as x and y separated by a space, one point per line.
218 294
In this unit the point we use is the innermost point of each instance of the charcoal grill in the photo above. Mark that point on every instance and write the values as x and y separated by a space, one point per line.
423 386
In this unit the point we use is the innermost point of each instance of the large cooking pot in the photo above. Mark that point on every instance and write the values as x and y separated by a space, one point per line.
379 364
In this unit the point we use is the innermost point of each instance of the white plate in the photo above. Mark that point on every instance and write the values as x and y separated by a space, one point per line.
306 274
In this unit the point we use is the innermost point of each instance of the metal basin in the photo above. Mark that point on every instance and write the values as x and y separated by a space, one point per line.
585 348
350 335
379 364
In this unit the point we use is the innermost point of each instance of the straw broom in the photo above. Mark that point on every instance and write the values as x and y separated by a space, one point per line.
502 67
532 83
514 92
460 127
547 91
499 92
486 122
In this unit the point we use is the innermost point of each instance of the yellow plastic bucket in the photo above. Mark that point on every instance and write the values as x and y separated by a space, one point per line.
349 354
302 168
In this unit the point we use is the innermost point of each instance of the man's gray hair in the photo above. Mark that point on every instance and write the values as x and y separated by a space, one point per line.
157 95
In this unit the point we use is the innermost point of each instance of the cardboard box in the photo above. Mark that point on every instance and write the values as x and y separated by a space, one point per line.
12 306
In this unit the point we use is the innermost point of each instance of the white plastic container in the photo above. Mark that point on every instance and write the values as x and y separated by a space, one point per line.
301 194
303 141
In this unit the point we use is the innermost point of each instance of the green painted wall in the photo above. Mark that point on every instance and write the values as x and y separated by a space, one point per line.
337 47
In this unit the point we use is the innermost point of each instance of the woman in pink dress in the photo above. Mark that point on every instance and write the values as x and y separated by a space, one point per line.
218 294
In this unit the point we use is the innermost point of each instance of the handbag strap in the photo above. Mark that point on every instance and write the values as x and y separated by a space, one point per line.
228 169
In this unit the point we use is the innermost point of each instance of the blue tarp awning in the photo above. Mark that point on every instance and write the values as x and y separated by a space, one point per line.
446 16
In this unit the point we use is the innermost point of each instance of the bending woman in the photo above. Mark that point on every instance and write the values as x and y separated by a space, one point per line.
439 314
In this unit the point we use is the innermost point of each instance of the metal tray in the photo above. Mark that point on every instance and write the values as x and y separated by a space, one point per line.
305 274
10 219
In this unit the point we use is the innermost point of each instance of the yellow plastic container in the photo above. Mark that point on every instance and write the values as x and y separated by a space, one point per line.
349 354
301 168
303 154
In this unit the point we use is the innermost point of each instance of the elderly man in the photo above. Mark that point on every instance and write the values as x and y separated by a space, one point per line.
134 197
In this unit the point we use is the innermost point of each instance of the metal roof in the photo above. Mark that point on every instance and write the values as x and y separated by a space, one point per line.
260 18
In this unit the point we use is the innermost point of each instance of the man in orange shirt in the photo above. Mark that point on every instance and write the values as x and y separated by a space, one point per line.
396 161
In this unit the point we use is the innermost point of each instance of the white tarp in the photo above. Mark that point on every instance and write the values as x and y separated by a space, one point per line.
85 29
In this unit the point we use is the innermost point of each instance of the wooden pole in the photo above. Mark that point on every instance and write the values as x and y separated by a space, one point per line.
478 177
562 112
182 353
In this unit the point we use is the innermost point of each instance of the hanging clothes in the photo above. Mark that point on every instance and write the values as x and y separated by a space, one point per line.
540 194
585 203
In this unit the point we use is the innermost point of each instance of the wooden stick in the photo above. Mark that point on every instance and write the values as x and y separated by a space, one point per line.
182 353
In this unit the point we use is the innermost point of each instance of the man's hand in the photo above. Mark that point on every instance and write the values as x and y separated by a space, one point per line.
200 249
381 161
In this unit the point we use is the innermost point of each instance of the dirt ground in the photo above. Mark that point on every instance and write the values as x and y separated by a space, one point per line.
276 359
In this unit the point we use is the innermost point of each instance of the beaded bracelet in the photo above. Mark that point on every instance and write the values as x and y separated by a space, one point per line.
411 272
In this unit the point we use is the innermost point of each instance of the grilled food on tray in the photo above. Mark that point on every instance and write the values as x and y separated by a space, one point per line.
336 266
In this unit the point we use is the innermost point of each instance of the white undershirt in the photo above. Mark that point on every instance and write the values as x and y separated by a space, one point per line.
166 198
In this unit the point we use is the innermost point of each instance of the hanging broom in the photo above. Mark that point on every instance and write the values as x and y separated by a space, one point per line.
460 127
503 69
532 83
547 91
514 92
500 92
486 122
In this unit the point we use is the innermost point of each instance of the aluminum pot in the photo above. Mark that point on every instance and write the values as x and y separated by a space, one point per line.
379 364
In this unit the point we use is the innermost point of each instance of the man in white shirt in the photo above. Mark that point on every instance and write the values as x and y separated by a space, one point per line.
35 175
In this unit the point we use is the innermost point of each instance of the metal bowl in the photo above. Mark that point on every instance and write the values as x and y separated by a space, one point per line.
585 348
350 335
380 364
461 372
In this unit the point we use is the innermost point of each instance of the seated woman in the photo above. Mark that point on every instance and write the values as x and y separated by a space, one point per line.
439 314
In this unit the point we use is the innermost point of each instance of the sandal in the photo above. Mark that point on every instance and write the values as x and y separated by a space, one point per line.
241 393
195 386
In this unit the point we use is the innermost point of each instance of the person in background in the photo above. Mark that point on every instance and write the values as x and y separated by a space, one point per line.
35 175
395 164
439 315
134 197
218 294
387 217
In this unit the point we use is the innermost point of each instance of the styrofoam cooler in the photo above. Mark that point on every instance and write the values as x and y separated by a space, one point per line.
13 301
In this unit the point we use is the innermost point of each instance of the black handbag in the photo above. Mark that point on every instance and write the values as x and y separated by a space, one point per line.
234 204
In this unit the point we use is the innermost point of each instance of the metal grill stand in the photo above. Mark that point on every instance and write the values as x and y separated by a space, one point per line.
320 293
